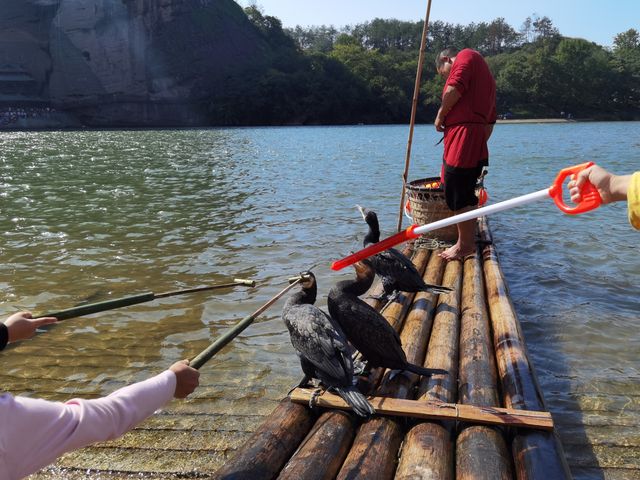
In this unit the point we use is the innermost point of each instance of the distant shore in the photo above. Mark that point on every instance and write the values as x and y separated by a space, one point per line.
538 120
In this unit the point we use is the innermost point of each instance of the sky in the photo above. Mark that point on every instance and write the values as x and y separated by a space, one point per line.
597 21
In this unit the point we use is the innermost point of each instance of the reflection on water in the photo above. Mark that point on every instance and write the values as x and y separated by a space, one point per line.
88 216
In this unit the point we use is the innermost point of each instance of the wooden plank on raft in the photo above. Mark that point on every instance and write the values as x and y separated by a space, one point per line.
438 411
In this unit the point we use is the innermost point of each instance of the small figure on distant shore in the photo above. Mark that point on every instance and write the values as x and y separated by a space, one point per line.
467 116
35 432
612 188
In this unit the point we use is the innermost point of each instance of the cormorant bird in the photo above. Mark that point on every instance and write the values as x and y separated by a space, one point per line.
366 329
322 347
397 272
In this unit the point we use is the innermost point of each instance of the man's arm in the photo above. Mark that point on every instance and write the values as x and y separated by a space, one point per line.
449 99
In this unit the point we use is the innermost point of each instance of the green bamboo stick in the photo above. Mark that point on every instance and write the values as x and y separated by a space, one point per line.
204 356
136 299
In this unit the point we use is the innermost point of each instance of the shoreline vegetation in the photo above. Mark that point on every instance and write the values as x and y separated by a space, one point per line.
323 75
543 120
40 125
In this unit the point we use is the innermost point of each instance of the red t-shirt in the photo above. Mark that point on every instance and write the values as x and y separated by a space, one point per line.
465 142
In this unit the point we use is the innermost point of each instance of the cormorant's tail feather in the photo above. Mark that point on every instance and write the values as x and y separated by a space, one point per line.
425 372
436 289
356 401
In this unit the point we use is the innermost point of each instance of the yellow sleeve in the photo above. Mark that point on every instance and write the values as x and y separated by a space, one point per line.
633 200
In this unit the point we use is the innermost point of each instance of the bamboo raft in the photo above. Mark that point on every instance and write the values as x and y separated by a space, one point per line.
473 333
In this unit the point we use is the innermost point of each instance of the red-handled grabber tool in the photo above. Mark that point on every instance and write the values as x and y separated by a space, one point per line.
590 201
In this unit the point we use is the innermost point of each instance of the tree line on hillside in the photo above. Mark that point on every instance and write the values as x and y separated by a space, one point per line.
366 73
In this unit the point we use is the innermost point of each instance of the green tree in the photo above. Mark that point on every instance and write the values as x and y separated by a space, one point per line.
385 35
314 39
584 76
366 73
543 28
626 63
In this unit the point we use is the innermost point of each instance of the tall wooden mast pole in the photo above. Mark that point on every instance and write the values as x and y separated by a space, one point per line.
414 106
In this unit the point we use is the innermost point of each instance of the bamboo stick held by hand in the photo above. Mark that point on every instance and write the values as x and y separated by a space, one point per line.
91 308
204 356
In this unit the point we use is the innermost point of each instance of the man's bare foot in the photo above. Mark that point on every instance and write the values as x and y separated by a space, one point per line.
456 252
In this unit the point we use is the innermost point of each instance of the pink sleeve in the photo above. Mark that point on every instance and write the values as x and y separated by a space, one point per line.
48 429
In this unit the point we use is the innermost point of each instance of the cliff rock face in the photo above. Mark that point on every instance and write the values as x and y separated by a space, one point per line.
129 62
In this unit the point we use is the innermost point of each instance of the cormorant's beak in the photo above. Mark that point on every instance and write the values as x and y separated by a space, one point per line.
363 212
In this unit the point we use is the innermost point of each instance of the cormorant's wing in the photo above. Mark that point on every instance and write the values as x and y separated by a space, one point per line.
398 272
401 261
315 337
375 337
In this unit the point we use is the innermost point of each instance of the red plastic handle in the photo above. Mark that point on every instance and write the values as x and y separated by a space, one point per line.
590 197
378 247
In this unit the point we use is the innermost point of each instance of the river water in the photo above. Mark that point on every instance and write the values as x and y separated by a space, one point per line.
90 215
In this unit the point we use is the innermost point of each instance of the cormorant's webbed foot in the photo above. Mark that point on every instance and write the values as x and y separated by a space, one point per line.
306 382
380 298
392 296
360 368
314 397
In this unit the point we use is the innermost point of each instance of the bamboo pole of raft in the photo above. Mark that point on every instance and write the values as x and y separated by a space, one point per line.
414 107
334 430
204 356
537 455
481 452
271 445
323 450
427 451
91 308
375 448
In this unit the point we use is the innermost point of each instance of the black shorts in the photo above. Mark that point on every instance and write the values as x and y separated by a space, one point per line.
460 186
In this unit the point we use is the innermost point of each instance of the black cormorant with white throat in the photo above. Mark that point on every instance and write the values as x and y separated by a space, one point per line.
322 347
397 272
366 329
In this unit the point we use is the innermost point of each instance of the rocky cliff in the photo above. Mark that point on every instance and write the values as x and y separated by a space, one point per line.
129 62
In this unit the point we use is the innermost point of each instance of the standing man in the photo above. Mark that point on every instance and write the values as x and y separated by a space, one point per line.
466 116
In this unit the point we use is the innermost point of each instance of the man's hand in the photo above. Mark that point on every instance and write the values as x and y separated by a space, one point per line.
22 325
439 123
449 99
186 378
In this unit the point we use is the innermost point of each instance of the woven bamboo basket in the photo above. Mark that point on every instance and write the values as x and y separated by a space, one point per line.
428 204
